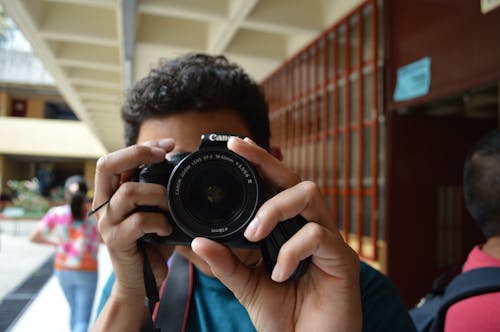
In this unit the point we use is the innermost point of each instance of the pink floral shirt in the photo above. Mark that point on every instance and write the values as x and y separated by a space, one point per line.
78 239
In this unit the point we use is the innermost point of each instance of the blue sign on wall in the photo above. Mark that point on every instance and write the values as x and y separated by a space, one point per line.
413 80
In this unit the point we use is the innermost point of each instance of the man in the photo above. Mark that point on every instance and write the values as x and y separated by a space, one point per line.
167 112
482 193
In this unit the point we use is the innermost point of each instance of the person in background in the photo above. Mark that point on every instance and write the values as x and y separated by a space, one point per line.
76 240
482 197
167 112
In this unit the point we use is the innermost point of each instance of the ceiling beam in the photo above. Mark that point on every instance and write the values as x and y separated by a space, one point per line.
127 26
240 10
18 11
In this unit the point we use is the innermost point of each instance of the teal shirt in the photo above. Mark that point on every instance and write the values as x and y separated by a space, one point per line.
383 309
214 307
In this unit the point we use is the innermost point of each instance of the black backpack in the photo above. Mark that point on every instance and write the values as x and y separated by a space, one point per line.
429 314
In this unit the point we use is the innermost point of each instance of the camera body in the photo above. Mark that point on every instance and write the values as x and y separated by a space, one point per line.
215 193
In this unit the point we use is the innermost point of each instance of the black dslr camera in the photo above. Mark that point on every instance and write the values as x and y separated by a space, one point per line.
215 193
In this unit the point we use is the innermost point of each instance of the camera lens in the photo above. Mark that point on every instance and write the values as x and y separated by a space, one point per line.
213 193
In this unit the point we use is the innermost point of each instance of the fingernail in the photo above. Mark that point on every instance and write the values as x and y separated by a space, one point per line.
251 230
233 140
249 140
276 275
195 245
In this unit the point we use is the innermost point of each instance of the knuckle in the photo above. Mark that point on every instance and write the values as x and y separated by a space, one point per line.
140 150
106 234
102 163
127 190
101 229
112 240
310 188
105 228
136 220
315 231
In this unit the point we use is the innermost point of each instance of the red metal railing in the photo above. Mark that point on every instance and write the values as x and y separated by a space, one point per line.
325 115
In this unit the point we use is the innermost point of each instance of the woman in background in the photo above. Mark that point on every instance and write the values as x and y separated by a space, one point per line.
76 239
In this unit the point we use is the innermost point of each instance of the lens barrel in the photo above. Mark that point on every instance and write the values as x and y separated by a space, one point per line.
214 193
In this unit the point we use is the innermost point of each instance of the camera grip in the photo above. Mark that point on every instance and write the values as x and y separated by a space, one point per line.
271 245
149 237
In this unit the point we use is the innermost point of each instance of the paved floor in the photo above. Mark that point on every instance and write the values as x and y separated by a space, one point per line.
46 310
18 259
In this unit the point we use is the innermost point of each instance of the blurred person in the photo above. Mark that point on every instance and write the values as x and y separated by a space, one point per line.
76 240
467 298
482 197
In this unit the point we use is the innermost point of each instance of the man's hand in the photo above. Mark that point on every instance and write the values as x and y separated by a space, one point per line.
120 225
327 296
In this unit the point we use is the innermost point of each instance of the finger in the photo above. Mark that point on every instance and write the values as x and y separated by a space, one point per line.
158 256
130 195
124 235
273 170
110 167
328 250
304 199
224 265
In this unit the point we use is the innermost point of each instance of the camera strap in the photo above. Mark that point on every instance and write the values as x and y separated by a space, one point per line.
152 294
170 312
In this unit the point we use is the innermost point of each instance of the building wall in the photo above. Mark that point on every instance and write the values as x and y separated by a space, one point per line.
89 174
36 108
428 136
32 143
4 103
326 115
14 170
388 177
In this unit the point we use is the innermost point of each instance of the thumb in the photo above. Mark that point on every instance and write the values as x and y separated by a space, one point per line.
224 265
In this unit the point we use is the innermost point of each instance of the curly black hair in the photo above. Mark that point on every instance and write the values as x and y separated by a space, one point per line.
196 82
482 183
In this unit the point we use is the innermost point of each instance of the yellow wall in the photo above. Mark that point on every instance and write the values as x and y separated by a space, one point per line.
35 108
337 9
25 170
50 138
89 174
14 170
4 103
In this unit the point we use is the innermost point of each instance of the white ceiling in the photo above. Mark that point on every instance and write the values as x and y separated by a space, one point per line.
95 48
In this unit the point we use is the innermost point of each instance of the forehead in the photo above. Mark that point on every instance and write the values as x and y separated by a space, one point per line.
186 128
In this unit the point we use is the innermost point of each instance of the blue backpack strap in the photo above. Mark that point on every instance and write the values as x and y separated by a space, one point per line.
467 284
424 313
171 315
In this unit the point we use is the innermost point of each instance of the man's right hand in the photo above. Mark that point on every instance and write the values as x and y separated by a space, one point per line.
120 226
